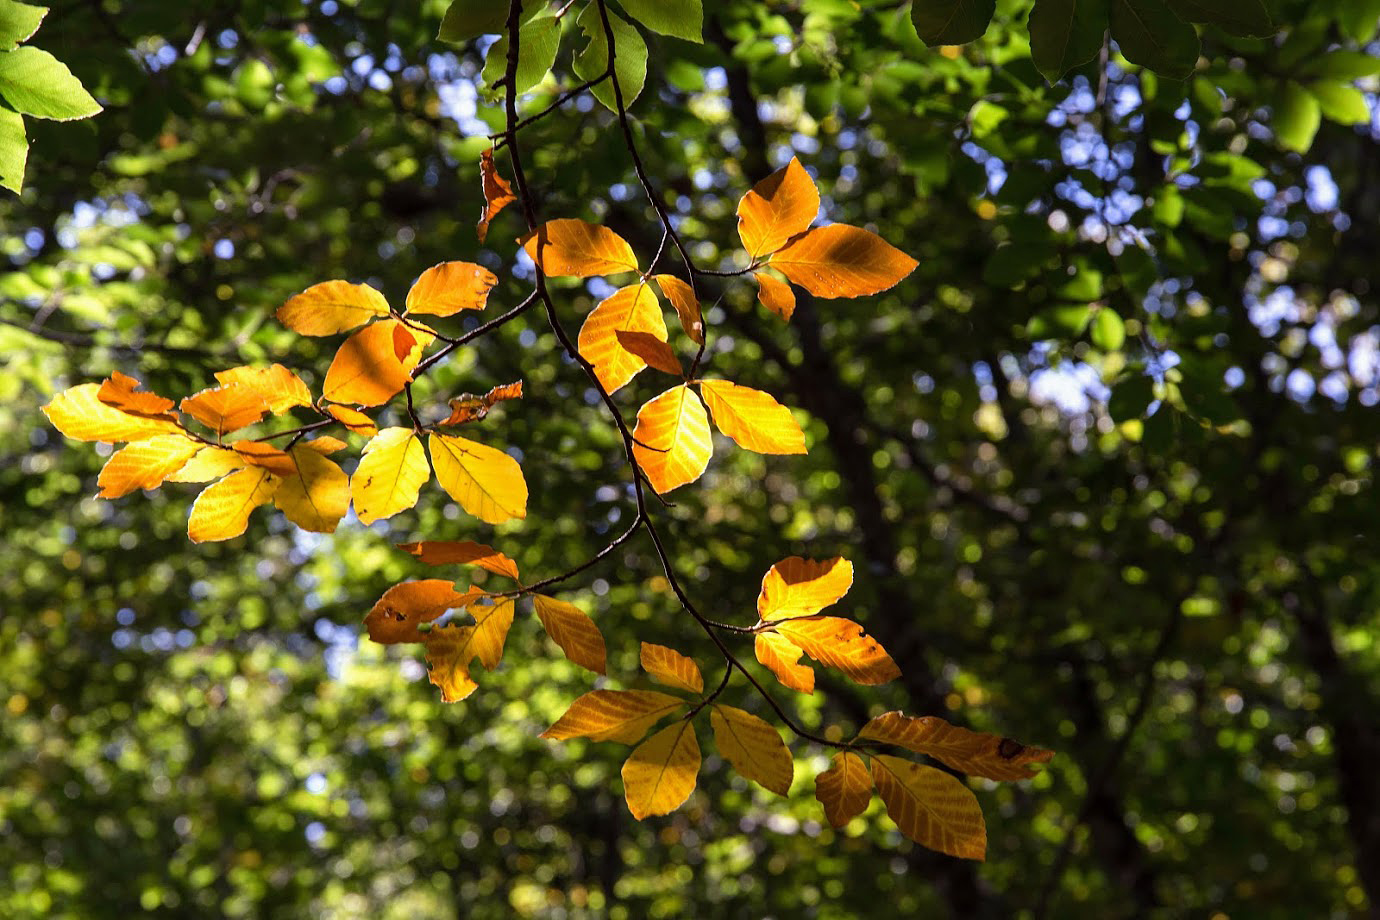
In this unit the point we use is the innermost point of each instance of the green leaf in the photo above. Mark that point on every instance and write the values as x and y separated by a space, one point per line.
467 19
1236 17
1297 115
1342 65
1152 36
1059 322
538 40
1341 102
36 83
629 57
1065 34
951 22
14 150
18 22
677 18
1108 332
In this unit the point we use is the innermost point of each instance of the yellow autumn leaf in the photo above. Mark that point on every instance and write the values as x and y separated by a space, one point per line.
782 658
226 408
390 475
573 631
145 464
779 207
776 295
673 445
80 415
486 482
492 622
842 261
498 194
462 552
660 773
796 587
448 288
652 350
449 653
841 643
279 387
753 419
669 667
931 807
613 715
574 248
121 391
209 463
221 511
682 297
317 495
753 747
367 369
630 309
396 615
975 753
331 307
844 789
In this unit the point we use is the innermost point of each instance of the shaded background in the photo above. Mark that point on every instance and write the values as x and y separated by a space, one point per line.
1103 463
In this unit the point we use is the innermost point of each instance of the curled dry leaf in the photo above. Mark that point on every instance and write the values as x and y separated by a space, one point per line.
776 209
613 715
661 772
669 667
575 248
673 445
753 419
573 631
469 408
331 307
975 753
931 807
448 288
842 261
498 194
844 789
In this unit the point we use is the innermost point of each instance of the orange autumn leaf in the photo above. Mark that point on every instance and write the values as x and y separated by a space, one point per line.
410 341
797 587
779 207
574 248
975 753
226 408
367 370
753 747
573 632
462 552
209 463
841 643
79 414
844 789
775 295
613 715
470 408
396 615
931 807
390 475
326 444
498 194
121 391
448 288
782 658
485 481
661 772
842 261
672 442
221 511
279 387
650 349
353 419
630 309
669 667
317 494
145 464
331 307
682 297
753 419
266 456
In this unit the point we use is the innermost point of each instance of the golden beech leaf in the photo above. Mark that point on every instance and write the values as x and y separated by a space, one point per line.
672 439
410 341
775 295
630 309
682 297
753 419
839 643
783 659
317 495
396 615
975 753
145 464
753 747
669 667
266 456
779 207
470 408
498 194
660 773
573 631
492 622
326 444
574 248
613 715
331 307
650 349
226 408
390 475
448 288
844 789
279 387
486 482
931 807
462 552
221 511
208 464
367 370
121 391
448 656
796 587
353 419
80 415
842 261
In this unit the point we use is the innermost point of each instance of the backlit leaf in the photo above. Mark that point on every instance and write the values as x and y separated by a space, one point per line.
226 408
775 294
675 431
539 39
781 206
209 463
669 667
122 392
486 482
326 444
492 622
145 464
844 789
613 715
35 83
498 194
630 309
797 587
80 415
449 652
753 747
782 658
266 456
462 552
652 350
14 150
317 495
396 615
1296 117
279 387
354 420
842 261
682 297
448 288
660 774
221 511
680 18
840 643
468 408
18 23
366 370
573 631
975 753
931 807
390 475
574 248
951 22
630 56
331 307
753 419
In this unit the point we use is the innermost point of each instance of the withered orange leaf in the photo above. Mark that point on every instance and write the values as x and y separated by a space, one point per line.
779 207
317 494
121 391
753 747
682 297
613 715
673 445
448 288
844 789
669 667
266 456
797 587
661 772
498 194
775 295
573 631
366 370
782 658
226 408
279 387
975 753
842 261
331 307
931 807
209 463
390 475
485 481
753 419
568 247
79 414
145 464
462 552
650 349
841 643
396 615
221 511
353 419
470 408
326 444
630 309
